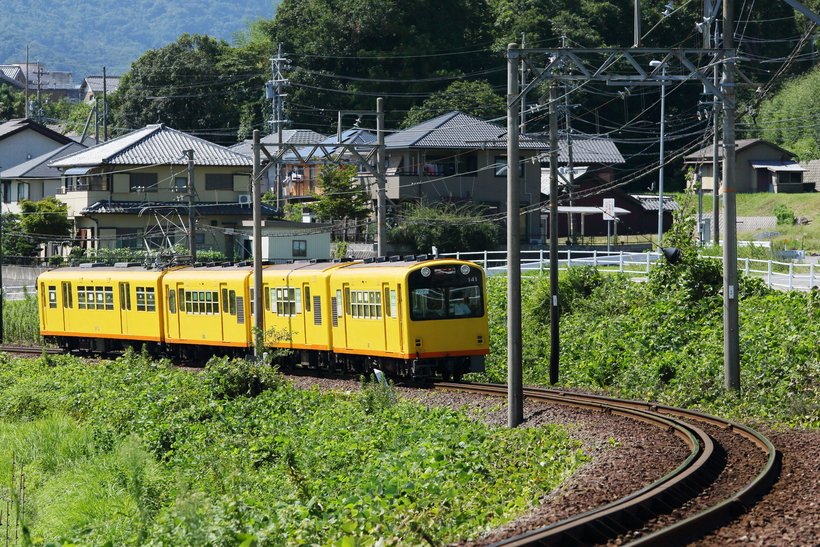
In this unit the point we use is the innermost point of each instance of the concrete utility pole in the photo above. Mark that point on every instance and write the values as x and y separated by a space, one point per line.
515 387
381 197
273 90
259 318
573 232
105 107
191 215
661 159
28 109
554 331
637 24
731 344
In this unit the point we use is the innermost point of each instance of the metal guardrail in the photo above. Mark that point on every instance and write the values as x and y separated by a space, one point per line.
777 275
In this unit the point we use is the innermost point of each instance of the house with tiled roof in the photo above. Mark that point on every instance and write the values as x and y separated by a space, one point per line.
459 158
760 166
94 86
132 191
811 177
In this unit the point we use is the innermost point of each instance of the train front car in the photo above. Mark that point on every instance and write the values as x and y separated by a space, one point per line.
412 318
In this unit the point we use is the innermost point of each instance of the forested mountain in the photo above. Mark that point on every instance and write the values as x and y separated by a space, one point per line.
82 36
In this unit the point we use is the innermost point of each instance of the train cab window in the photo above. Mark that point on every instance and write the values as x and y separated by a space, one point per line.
146 299
68 298
52 296
172 301
125 296
446 292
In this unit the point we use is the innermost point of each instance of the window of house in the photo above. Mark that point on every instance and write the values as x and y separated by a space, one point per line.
299 247
467 164
180 184
439 166
6 192
129 238
142 182
22 191
219 181
501 167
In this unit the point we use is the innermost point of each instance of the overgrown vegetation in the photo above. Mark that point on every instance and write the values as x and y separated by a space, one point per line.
663 340
449 227
134 452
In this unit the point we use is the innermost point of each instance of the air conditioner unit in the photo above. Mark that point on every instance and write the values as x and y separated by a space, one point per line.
244 199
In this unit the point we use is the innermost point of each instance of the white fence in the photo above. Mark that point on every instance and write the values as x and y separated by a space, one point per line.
778 275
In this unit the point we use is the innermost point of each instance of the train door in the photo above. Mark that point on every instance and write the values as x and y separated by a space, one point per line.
68 304
174 296
50 308
400 318
125 305
392 336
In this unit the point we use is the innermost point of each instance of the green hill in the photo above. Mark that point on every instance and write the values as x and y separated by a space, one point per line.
83 36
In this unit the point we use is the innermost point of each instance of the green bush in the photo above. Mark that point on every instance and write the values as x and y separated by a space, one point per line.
784 215
229 378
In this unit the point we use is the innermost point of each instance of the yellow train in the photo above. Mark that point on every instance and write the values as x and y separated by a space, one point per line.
412 317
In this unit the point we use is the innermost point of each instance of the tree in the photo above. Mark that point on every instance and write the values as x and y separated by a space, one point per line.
450 228
14 242
12 103
341 197
475 98
42 219
193 85
788 117
347 52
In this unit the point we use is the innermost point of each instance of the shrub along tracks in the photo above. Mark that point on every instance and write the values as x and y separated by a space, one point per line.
727 469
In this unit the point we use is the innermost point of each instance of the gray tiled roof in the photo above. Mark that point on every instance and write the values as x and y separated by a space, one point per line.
207 209
38 167
155 144
587 149
704 155
95 83
457 130
649 202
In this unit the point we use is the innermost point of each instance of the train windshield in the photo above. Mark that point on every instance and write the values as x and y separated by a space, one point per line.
446 292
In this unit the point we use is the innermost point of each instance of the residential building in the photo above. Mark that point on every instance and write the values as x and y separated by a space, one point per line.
458 158
283 240
23 139
760 166
34 179
132 191
94 86
56 84
811 178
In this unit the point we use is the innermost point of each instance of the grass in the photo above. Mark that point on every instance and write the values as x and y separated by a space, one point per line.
20 324
797 236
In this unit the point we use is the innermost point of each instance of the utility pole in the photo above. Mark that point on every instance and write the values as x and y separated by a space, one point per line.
554 332
381 198
259 319
191 219
661 158
96 120
38 115
637 24
273 89
570 166
515 386
105 107
731 345
716 174
27 74
523 83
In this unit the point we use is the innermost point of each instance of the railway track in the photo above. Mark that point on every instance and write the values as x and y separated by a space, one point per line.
37 350
638 518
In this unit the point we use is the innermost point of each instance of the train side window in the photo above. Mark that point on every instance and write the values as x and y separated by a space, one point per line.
224 300
122 296
52 296
232 302
150 299
297 300
266 295
68 301
127 296
100 298
140 298
377 295
80 297
307 298
172 301
393 304
109 297
347 301
388 311
215 303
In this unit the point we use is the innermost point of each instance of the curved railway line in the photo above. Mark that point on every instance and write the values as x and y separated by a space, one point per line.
663 512
631 516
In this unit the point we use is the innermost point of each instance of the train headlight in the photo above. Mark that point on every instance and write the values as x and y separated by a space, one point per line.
425 272
465 269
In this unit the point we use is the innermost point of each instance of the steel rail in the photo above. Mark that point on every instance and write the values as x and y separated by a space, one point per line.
610 520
